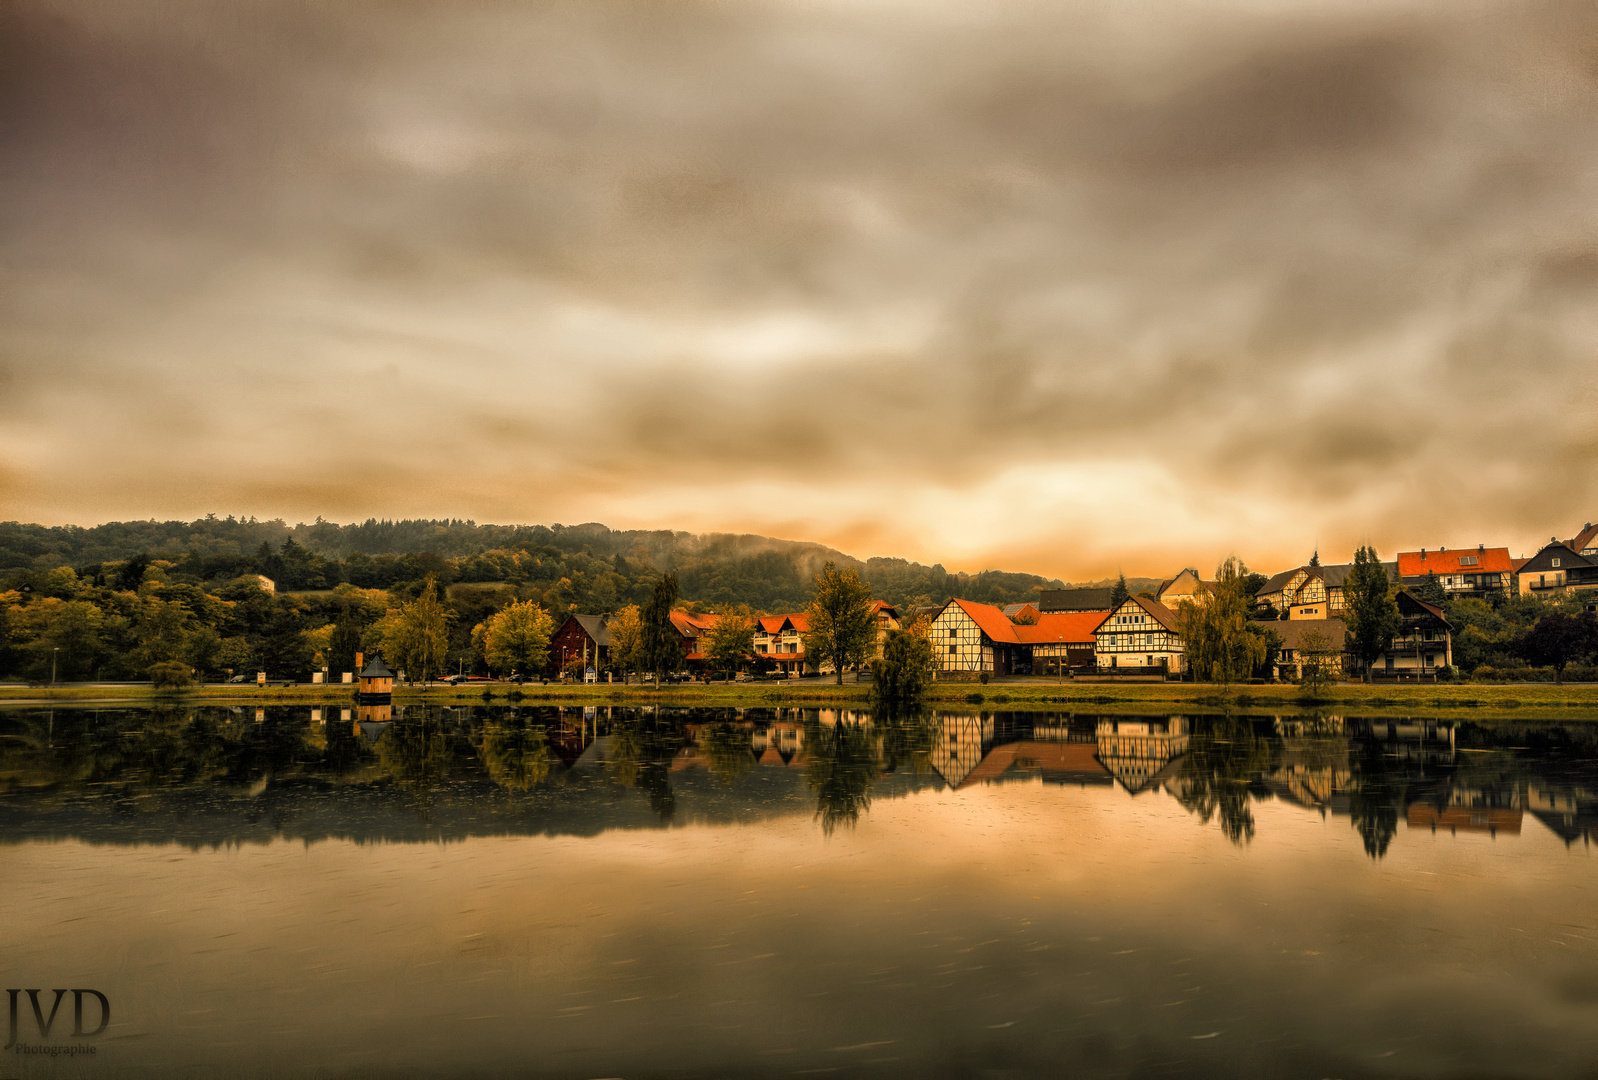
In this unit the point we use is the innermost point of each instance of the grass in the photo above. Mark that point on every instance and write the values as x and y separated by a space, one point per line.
1567 702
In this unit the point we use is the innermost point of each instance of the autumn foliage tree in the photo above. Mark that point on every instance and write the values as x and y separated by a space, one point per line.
1221 645
515 638
843 629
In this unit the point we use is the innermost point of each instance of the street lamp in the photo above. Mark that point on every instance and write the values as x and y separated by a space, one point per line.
55 654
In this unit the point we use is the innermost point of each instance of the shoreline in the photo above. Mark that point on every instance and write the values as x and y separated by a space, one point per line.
1579 702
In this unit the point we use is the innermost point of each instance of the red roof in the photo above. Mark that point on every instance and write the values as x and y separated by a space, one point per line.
990 619
773 624
1584 539
1487 561
689 624
1067 626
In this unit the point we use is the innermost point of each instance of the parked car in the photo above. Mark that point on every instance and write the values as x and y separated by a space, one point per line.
242 679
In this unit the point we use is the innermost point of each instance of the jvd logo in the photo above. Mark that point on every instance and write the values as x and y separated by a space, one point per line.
46 1024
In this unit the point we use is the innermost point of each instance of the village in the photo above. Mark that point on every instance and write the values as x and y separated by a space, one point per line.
1078 632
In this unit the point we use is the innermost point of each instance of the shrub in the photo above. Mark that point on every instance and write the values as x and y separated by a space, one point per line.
983 678
170 675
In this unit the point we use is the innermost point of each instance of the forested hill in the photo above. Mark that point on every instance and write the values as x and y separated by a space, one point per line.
569 567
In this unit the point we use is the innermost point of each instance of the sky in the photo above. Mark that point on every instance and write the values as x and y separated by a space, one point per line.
1062 287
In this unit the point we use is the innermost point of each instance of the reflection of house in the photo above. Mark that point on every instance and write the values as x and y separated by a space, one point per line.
1139 633
1067 600
1137 749
1424 643
1478 571
1555 569
581 637
1570 812
1468 811
779 744
957 748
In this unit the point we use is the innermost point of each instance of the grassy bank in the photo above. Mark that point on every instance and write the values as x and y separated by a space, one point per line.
1567 702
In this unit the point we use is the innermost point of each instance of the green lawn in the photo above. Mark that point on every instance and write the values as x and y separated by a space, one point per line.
1572 703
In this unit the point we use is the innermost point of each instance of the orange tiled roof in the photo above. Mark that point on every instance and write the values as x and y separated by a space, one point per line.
990 620
1488 561
689 623
1056 626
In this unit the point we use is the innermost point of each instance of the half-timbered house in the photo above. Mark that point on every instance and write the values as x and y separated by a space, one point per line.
1141 633
1186 585
1059 641
968 636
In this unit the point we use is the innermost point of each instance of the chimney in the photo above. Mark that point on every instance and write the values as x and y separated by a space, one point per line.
1481 547
1422 554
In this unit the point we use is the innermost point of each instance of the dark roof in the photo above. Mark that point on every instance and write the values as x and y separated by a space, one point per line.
1161 614
1074 600
594 627
1544 560
1335 577
1278 582
1404 595
1293 631
376 669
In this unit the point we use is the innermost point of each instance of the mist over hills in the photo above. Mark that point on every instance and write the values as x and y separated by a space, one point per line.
570 567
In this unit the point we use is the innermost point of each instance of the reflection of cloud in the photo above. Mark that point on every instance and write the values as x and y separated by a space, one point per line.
1137 279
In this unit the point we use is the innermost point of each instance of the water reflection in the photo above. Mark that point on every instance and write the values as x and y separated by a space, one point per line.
413 773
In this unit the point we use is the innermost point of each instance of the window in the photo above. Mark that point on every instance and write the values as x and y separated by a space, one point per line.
1467 560
1556 562
953 649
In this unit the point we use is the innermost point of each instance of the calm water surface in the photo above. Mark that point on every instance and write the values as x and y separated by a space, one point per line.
635 893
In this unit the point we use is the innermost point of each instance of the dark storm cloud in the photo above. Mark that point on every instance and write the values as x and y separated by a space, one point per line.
1333 261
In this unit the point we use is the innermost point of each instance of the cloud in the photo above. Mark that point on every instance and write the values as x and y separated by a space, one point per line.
925 274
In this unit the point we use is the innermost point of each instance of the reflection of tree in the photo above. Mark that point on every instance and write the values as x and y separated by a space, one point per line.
515 753
840 766
412 751
728 749
1223 772
639 755
907 737
1377 789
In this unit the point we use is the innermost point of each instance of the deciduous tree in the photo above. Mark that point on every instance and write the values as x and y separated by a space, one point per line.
1370 608
420 634
1220 641
843 629
660 646
626 639
516 637
731 640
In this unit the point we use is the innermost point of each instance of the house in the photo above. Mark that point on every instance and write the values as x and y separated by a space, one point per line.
1140 633
1059 640
1312 592
1424 643
691 627
1075 600
1184 586
968 636
1304 637
779 639
1585 543
1555 569
1479 571
581 637
376 683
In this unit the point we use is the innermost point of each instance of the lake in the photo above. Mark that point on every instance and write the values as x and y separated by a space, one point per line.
541 892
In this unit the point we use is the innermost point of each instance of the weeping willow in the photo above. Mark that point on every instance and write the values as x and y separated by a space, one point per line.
1220 644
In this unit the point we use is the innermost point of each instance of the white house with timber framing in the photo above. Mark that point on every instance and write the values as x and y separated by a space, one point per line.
1139 633
968 636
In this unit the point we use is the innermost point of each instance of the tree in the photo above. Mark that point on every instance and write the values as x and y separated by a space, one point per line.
1315 559
1317 653
660 645
1557 639
344 642
905 669
731 641
843 628
516 637
626 639
420 634
1370 608
1119 593
1219 639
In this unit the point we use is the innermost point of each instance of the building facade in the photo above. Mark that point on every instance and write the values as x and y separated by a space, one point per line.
1141 633
1480 571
